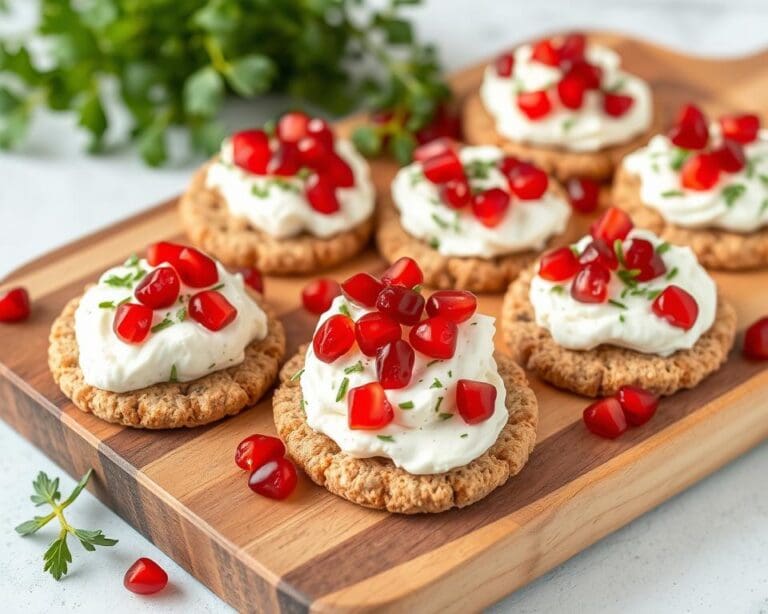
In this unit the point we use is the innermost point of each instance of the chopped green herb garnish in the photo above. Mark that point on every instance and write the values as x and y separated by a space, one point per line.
162 325
218 287
342 389
212 365
617 86
464 435
679 156
672 193
568 124
260 191
652 294
557 289
416 177
432 362
627 276
450 373
763 207
406 405
672 274
445 416
356 368
139 274
618 248
764 179
386 438
436 384
616 303
181 314
124 301
107 305
662 248
434 243
344 309
479 169
621 318
440 222
126 281
133 260
731 193
174 376
297 375
439 403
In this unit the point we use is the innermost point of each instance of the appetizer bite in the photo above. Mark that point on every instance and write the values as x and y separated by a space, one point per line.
394 408
472 217
620 307
294 200
704 185
166 341
564 104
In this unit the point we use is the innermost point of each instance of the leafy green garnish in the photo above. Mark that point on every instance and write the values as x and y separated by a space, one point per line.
438 404
440 221
355 368
107 305
618 248
479 169
297 375
344 309
117 281
445 416
662 248
464 435
616 303
166 322
342 389
672 193
386 438
181 314
679 156
406 405
173 378
436 384
731 193
672 274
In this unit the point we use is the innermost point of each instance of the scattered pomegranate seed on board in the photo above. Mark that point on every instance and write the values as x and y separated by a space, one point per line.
252 452
756 340
639 405
275 479
145 577
318 294
605 418
14 305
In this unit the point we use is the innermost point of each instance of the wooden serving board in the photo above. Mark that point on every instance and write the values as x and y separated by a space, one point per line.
315 551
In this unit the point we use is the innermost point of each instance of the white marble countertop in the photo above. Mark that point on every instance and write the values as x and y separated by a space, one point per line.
703 551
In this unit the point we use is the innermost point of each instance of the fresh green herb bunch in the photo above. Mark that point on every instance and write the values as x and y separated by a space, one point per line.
174 62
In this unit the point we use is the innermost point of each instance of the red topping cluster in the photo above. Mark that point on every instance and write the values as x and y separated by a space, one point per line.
579 77
272 475
701 170
380 333
302 146
610 417
14 305
160 289
604 256
441 166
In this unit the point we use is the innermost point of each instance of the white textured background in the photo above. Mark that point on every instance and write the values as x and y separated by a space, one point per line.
704 551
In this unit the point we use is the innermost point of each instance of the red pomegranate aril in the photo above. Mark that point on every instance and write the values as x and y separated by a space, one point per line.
292 127
455 305
614 224
690 130
570 90
534 105
312 152
544 51
435 147
638 404
163 251
14 305
334 338
490 206
583 194
285 161
617 105
159 288
475 401
756 340
275 479
211 309
528 182
132 322
677 307
445 123
338 171
394 364
443 167
591 284
250 151
599 252
368 408
641 256
504 64
558 265
590 74
252 452
403 272
145 577
456 193
374 330
573 47
401 303
730 156
320 130
700 172
435 337
606 418
196 269
508 164
321 194
252 278
318 294
362 288
740 128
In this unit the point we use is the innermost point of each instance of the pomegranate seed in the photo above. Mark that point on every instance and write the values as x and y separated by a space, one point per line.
145 577
318 294
456 193
558 265
528 182
614 224
285 161
590 74
605 418
730 156
211 309
443 167
368 408
334 338
252 278
374 330
394 364
362 288
320 130
132 322
445 123
400 303
403 272
490 206
321 194
617 105
504 64
435 337
690 130
455 305
508 164
598 252
534 105
700 172
339 172
639 405
275 479
544 51
433 148
14 305
570 90
157 253
292 127
573 47
476 401
250 151
756 340
740 128
196 269
583 194
312 152
159 288
252 452
591 284
642 256
677 307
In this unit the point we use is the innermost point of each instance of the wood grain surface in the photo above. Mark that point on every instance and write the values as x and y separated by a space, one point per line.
315 551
